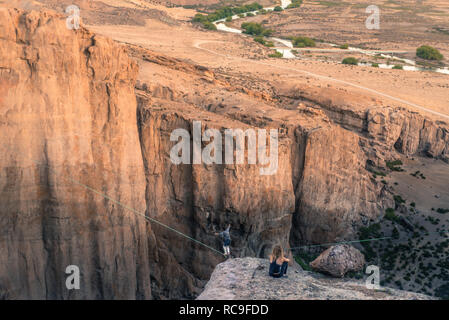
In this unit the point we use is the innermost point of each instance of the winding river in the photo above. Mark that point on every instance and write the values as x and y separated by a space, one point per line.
287 48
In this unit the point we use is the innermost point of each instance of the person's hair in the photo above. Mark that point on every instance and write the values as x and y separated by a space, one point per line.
277 252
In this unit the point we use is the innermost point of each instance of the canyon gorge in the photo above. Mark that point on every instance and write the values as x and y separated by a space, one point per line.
85 124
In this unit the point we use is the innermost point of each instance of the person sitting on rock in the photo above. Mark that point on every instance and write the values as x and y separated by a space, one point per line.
278 263
226 236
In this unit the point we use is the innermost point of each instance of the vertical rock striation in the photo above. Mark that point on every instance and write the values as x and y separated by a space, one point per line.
69 115
68 112
200 199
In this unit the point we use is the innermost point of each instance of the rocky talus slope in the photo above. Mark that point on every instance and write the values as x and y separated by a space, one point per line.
248 279
77 106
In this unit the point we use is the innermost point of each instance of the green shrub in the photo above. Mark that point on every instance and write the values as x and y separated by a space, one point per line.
249 14
344 46
429 53
394 165
303 42
395 233
228 19
199 18
204 21
398 199
228 11
442 211
260 40
303 265
304 258
350 60
294 4
375 65
209 25
369 232
255 29
398 67
276 54
391 215
278 8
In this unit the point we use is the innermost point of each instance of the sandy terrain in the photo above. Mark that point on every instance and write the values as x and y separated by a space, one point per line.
131 21
404 24
239 54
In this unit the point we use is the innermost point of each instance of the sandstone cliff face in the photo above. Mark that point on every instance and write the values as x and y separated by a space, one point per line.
387 129
335 193
319 193
248 279
332 190
67 111
200 199
409 133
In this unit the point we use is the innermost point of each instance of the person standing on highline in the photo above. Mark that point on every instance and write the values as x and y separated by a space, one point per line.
225 235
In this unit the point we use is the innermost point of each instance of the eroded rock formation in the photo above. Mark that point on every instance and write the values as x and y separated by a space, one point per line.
248 279
68 110
69 113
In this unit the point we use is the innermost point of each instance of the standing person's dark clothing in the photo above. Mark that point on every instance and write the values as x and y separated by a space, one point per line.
226 236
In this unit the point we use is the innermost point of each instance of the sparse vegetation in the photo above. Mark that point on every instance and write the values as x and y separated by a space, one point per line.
294 4
209 25
394 165
391 215
224 13
398 200
429 53
276 54
418 174
255 29
304 258
350 61
264 42
303 42
395 233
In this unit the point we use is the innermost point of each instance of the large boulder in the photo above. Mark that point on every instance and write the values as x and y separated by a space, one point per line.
338 260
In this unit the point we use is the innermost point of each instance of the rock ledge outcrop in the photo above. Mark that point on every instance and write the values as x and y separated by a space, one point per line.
247 279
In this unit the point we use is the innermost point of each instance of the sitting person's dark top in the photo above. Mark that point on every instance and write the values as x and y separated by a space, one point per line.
277 270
